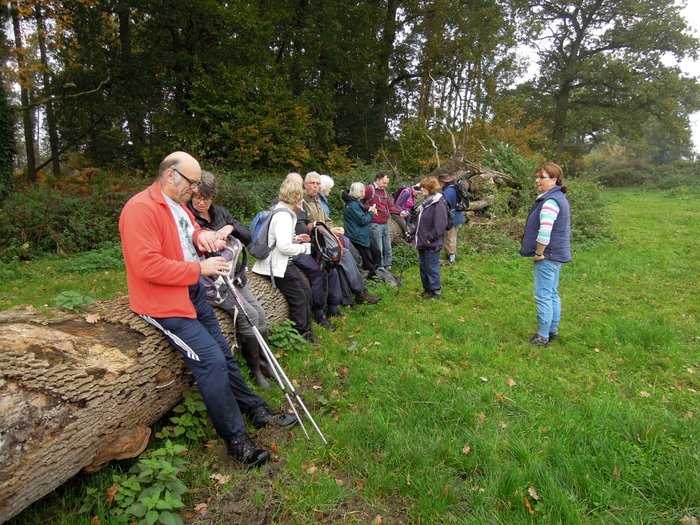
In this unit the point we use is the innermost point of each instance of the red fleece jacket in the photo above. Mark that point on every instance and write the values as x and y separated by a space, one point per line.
157 274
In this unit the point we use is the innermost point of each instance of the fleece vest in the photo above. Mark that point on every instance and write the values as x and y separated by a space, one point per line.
559 247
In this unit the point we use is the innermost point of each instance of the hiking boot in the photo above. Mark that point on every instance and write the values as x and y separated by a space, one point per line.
364 297
250 349
451 258
553 336
538 340
431 294
322 320
244 450
262 417
334 311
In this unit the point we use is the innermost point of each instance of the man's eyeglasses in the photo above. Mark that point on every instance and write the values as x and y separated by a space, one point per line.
193 183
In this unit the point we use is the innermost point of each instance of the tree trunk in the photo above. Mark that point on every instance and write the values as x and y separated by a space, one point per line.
74 395
560 113
382 87
134 117
24 82
50 118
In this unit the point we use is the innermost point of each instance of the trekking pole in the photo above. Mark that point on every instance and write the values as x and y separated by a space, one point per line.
286 384
261 341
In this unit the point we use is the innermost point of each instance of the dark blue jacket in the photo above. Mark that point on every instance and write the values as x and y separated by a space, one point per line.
431 223
357 221
450 194
559 247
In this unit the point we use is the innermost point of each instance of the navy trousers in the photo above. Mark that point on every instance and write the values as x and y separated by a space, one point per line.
208 356
429 264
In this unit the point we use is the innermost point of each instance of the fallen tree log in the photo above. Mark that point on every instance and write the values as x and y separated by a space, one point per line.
78 391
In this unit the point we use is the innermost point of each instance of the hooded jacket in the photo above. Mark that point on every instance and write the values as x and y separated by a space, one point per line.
431 223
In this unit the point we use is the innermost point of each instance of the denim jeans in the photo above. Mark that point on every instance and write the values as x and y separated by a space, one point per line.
547 300
380 241
429 265
208 356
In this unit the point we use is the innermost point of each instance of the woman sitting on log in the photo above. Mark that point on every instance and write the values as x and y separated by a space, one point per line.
285 244
357 220
218 218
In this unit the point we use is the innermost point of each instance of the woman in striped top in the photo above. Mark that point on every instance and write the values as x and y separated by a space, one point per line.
547 240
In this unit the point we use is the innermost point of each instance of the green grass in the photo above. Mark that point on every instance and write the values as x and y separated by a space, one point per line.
604 424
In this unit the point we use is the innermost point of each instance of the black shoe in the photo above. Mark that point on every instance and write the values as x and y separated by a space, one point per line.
364 297
334 311
322 320
431 294
538 340
244 450
262 417
553 336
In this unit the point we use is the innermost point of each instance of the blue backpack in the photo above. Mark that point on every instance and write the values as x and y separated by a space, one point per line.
260 232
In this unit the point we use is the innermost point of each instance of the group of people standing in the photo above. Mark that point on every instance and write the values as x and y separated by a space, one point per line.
172 235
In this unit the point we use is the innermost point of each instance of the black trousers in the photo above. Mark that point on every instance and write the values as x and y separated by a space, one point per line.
367 258
298 294
318 279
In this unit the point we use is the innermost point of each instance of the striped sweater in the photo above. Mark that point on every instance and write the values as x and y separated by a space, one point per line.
548 214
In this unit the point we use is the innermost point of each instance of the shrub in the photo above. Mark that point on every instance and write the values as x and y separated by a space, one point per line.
590 219
47 220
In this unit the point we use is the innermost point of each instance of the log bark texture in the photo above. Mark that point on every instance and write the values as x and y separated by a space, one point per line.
75 394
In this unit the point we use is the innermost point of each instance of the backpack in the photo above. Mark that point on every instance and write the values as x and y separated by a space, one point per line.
260 232
325 245
462 195
398 191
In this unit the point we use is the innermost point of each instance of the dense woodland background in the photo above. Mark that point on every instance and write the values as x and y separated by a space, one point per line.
263 86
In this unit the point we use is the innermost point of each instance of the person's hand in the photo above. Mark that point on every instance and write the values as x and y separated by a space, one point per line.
538 258
373 209
214 266
224 232
208 241
404 213
302 238
338 230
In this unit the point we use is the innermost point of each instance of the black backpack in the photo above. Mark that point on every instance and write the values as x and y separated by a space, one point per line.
462 188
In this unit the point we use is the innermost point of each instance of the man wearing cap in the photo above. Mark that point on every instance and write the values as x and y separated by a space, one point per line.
449 192
161 243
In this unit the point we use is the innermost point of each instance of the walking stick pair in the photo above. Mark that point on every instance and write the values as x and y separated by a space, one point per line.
290 393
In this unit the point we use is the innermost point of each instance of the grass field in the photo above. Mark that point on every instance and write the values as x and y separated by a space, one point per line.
440 412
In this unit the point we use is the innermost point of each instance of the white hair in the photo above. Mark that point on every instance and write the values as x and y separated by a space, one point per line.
312 176
326 184
357 190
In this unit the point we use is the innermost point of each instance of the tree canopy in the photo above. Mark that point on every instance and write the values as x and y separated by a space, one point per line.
293 83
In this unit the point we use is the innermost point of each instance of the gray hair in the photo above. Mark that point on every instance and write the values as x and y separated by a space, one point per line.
357 190
312 176
326 184
207 185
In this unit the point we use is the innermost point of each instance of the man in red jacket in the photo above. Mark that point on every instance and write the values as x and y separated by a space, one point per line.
376 195
161 243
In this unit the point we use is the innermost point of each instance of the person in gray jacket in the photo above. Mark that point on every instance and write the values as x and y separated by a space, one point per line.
430 236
